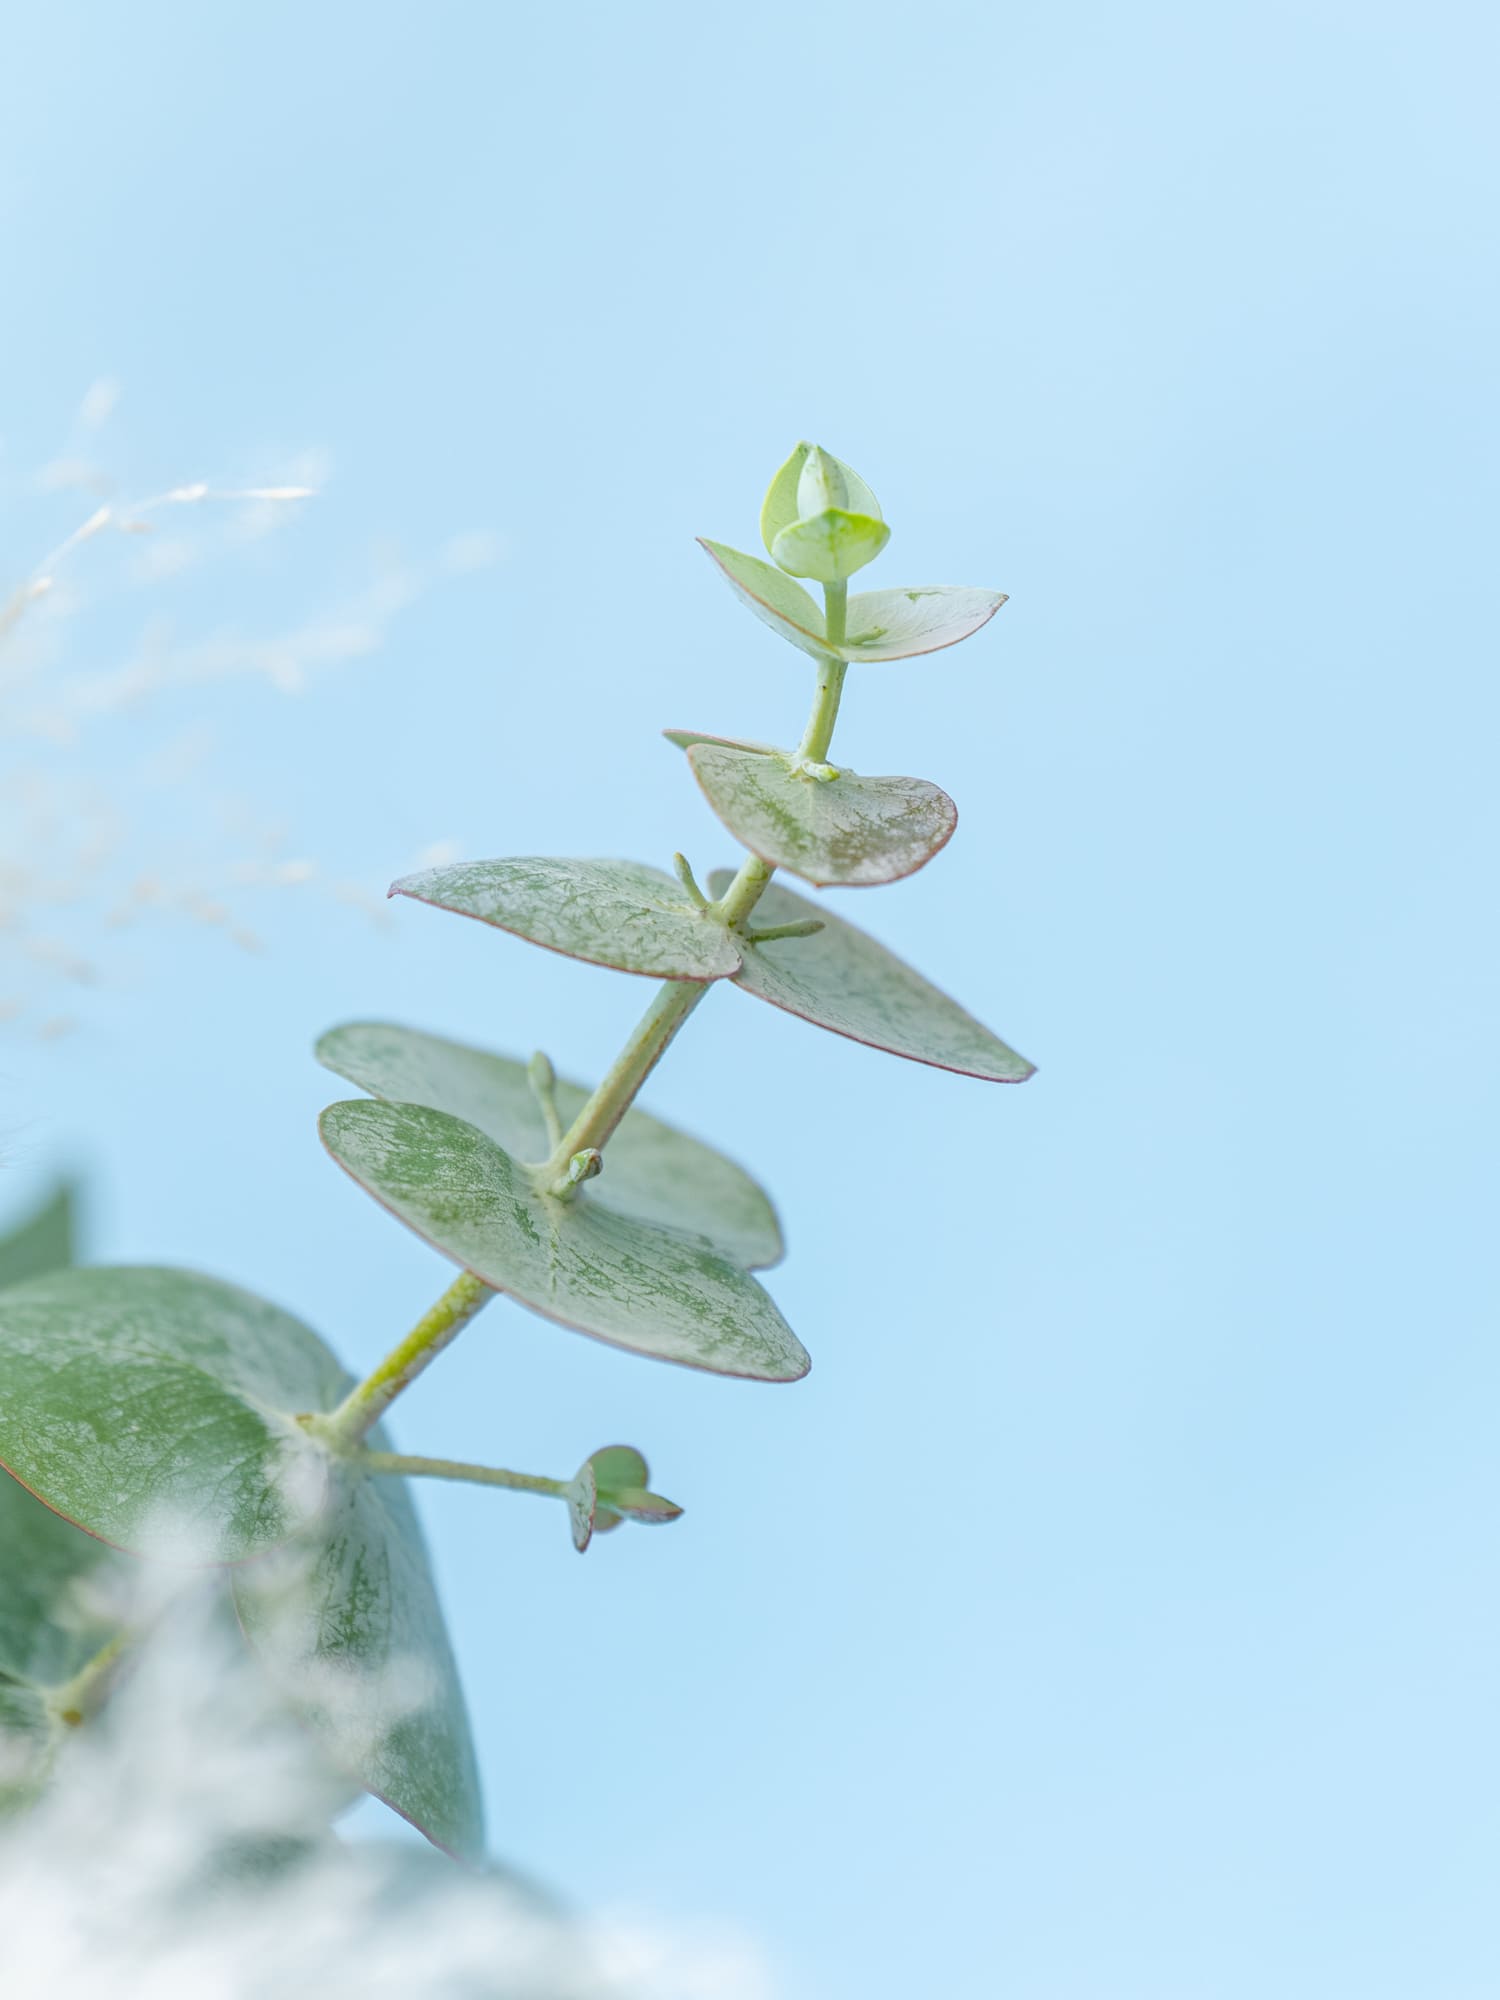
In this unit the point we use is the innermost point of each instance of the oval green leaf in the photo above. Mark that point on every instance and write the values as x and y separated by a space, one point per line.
900 624
771 594
616 913
831 546
348 1624
651 1170
843 980
657 1291
155 1408
852 831
43 1241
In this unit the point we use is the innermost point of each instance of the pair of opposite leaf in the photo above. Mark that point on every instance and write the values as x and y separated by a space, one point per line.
821 521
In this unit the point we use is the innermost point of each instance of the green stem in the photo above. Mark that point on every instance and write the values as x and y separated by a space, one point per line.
594 1126
81 1697
596 1122
455 1468
818 735
365 1406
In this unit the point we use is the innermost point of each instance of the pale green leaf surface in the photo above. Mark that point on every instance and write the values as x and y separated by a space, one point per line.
154 1407
831 546
847 830
651 1170
899 624
616 913
657 1291
779 508
350 1628
774 598
825 480
843 980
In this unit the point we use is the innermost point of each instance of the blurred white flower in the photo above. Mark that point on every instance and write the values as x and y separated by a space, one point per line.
110 808
183 1852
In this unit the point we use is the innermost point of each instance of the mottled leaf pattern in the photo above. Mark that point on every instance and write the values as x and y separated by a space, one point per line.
657 1291
154 1407
651 1170
846 830
616 913
843 980
349 1626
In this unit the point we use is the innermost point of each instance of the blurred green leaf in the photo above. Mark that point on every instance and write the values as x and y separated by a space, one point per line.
155 1408
843 980
846 830
348 1624
60 1591
657 1291
771 594
831 546
651 1170
44 1241
616 913
899 624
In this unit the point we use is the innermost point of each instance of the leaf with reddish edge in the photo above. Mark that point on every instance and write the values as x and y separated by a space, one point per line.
156 1408
616 913
847 830
843 980
771 594
879 624
901 624
650 1169
583 1500
659 1292
620 1476
348 1624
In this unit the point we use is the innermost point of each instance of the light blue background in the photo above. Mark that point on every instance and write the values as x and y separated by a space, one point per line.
1111 1615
